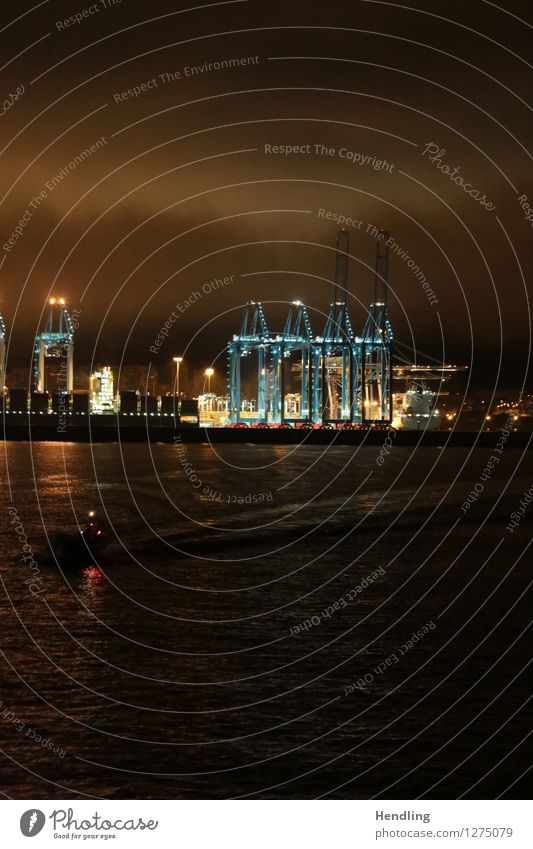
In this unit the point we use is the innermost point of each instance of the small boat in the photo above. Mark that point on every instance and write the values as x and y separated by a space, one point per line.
82 548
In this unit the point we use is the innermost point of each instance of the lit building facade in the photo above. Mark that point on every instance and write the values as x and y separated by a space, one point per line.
102 391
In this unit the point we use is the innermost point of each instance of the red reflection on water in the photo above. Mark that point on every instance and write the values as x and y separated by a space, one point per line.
93 584
94 573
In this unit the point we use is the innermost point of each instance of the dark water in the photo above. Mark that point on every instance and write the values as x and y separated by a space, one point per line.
176 669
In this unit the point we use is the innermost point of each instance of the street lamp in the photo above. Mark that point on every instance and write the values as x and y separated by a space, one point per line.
209 372
178 361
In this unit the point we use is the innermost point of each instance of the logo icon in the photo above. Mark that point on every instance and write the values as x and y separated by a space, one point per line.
32 822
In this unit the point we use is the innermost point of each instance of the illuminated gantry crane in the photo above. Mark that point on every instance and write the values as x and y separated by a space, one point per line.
340 351
274 356
54 351
376 345
298 337
3 334
253 337
274 359
342 377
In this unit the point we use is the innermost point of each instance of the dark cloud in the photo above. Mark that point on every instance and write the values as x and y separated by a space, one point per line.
182 193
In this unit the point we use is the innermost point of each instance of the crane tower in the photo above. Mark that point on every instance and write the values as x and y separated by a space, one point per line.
53 369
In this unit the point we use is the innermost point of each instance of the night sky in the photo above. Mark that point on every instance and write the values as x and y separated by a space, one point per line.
181 189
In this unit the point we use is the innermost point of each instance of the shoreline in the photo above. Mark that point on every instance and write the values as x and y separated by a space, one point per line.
122 429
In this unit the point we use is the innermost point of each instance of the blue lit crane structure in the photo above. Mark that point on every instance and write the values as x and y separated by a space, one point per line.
55 346
273 352
343 377
253 337
340 349
376 345
297 338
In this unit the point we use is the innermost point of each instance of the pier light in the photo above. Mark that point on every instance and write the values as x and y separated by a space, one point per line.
209 372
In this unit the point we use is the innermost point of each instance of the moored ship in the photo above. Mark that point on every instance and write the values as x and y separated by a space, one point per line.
415 409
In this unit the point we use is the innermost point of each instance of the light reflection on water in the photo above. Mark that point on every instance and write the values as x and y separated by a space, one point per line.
144 664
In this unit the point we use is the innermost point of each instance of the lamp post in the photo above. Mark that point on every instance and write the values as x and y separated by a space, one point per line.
209 372
178 361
